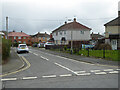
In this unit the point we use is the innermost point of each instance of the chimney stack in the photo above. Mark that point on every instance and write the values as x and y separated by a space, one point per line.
65 22
118 8
74 19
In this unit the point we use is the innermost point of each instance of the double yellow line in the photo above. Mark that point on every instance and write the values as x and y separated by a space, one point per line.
28 65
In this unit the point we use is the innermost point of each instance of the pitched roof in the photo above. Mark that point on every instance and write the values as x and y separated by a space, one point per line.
41 35
114 22
20 34
96 36
71 26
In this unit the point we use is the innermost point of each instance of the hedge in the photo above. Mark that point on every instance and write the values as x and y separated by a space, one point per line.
6 44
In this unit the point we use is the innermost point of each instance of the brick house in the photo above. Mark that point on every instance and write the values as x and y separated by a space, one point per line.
78 33
19 37
40 37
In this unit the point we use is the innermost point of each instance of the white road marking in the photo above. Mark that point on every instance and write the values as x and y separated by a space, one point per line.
95 70
30 51
80 71
35 54
8 79
65 68
118 69
113 72
50 76
100 73
66 75
82 74
29 78
44 58
108 70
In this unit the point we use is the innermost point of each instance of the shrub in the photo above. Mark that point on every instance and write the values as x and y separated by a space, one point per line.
103 46
6 44
65 48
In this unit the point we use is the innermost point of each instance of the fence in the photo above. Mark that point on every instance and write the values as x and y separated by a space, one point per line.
106 54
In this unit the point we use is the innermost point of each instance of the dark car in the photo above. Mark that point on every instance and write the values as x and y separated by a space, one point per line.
34 45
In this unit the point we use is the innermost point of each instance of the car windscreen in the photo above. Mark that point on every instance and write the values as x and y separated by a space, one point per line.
22 46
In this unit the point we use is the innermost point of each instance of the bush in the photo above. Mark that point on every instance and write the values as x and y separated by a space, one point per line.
6 44
15 44
65 48
103 46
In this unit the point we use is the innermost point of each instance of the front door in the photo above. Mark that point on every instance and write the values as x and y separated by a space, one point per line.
114 44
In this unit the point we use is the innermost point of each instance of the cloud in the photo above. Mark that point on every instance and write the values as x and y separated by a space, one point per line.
33 16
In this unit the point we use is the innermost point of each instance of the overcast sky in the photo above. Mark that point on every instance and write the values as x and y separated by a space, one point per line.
32 16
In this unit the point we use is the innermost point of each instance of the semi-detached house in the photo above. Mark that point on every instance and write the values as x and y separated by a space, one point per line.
19 37
71 31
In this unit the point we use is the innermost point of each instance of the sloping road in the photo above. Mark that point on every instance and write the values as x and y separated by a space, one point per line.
52 71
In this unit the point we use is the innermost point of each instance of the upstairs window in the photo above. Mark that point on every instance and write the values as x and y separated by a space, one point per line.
64 32
81 32
60 32
19 37
56 33
24 37
14 37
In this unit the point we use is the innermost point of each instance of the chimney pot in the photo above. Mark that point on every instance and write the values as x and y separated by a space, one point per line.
65 22
74 19
21 31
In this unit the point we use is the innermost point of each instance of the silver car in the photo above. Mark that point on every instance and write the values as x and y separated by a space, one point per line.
22 48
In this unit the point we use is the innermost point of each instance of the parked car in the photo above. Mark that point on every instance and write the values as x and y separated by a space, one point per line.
48 43
34 45
22 48
40 45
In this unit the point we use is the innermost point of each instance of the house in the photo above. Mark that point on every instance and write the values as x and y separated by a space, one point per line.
78 33
40 37
112 32
19 37
95 38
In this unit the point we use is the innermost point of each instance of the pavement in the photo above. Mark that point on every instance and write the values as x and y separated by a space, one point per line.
13 64
83 58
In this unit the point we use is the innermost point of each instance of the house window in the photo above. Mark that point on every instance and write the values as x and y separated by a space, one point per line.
60 32
64 32
19 37
56 33
82 32
43 37
24 37
19 41
39 37
14 37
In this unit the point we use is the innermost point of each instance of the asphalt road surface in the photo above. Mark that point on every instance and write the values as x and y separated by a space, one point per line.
46 70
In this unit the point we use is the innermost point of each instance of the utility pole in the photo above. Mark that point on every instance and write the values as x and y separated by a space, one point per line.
7 26
71 43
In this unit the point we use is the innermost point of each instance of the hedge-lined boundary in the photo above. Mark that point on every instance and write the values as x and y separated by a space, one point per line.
6 44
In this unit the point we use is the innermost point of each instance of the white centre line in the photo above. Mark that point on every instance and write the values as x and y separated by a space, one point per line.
50 76
35 54
100 73
44 58
8 79
29 78
66 75
65 68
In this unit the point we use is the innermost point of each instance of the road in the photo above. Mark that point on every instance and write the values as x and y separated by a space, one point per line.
46 70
